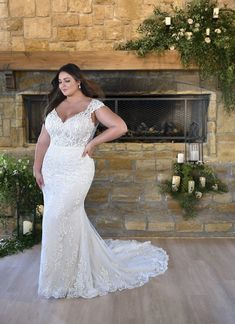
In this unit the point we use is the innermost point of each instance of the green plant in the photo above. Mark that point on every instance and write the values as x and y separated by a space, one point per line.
17 184
14 245
199 38
192 172
18 189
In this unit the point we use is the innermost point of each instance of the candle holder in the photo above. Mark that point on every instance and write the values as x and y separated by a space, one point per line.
26 222
194 152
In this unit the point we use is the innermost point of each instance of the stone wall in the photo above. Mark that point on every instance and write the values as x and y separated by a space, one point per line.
71 25
124 198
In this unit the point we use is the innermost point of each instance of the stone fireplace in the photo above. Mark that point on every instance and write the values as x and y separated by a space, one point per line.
161 107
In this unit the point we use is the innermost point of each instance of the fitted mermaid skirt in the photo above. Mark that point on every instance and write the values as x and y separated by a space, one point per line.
75 260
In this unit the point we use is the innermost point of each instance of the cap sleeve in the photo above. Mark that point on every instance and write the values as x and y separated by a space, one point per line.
96 104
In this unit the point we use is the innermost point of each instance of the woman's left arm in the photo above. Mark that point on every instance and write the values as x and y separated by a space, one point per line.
116 127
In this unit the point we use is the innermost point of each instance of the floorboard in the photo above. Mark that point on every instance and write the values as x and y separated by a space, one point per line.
198 288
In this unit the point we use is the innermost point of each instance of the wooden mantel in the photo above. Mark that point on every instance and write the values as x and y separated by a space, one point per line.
89 60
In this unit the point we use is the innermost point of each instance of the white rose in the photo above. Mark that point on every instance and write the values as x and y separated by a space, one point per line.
218 31
207 40
188 35
197 25
172 47
190 21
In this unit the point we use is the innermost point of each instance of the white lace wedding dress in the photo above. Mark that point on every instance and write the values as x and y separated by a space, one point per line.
75 260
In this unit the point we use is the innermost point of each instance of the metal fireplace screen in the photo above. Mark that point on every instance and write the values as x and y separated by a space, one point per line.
158 119
162 119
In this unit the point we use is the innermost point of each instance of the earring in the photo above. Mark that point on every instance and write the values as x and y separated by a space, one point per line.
79 87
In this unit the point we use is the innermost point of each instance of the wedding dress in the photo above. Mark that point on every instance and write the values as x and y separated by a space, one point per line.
75 260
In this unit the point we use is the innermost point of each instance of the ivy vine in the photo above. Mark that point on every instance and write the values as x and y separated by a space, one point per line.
199 35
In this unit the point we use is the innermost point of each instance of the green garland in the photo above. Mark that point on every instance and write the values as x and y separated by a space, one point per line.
187 172
198 37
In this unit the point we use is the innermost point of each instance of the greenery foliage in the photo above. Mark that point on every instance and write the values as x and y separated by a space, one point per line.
187 172
19 191
18 187
198 37
13 244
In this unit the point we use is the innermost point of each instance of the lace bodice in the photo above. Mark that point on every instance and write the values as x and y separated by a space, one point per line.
74 131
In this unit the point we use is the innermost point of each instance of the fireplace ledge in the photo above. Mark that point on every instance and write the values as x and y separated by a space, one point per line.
90 60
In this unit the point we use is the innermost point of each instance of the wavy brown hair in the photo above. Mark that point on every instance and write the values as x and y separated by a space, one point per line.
88 87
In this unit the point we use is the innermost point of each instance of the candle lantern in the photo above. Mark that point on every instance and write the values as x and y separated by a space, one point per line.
26 222
194 152
194 143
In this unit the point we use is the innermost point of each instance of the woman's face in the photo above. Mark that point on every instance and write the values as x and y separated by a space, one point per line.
67 84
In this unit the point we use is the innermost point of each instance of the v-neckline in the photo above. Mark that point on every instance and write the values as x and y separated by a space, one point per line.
78 113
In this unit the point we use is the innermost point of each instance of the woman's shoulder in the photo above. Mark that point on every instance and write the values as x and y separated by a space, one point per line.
96 104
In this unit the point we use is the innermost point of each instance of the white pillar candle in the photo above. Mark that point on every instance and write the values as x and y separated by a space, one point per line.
191 186
202 181
194 152
180 158
216 12
27 227
207 31
176 181
168 21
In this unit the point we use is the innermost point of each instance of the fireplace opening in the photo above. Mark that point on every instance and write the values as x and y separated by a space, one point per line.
166 118
163 118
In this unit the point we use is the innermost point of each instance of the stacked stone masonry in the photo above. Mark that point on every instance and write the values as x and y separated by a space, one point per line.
124 199
70 25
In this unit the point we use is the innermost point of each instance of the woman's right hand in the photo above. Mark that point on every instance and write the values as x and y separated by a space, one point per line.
39 179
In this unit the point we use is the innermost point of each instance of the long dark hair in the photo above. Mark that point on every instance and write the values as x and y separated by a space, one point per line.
89 88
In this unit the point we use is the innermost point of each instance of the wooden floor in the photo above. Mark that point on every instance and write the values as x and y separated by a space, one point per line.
199 287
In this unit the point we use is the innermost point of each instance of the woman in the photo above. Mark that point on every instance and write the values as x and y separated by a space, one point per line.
75 260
